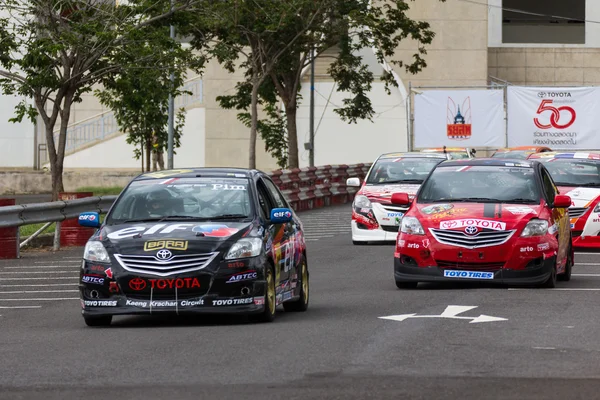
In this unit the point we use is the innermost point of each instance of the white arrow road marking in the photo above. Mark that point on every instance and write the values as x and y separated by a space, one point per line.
450 312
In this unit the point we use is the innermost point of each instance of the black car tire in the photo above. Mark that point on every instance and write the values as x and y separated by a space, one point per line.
103 320
406 285
268 314
301 304
566 276
551 281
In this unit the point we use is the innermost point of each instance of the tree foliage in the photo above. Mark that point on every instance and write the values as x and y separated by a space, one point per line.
54 51
351 26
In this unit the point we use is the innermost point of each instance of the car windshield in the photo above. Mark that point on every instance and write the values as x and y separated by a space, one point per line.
402 169
522 155
183 198
458 155
497 184
572 172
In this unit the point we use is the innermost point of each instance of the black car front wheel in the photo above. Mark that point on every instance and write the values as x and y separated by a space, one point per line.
406 285
268 315
103 320
302 303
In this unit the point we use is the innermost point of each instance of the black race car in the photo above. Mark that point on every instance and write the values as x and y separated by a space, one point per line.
206 240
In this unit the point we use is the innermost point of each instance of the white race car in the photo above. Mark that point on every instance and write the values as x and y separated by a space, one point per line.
577 175
374 218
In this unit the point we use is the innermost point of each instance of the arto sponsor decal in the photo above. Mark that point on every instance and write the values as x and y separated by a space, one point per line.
480 223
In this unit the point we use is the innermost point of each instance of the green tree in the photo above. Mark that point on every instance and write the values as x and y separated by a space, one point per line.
255 32
54 51
139 93
351 25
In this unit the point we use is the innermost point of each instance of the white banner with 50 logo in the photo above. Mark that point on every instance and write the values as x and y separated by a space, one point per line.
561 118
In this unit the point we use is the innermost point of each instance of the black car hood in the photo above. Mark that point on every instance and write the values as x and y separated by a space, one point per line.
178 237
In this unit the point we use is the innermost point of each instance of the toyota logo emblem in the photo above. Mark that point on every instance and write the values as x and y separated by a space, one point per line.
164 255
471 230
137 284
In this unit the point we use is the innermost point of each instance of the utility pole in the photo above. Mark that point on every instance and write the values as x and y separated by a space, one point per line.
311 157
171 120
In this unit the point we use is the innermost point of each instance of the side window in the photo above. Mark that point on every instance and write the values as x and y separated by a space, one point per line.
263 200
549 188
276 194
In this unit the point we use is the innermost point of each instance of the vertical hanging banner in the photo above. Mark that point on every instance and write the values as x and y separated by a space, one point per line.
469 118
559 118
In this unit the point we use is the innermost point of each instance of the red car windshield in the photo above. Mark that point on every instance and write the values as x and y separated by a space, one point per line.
402 170
481 184
571 172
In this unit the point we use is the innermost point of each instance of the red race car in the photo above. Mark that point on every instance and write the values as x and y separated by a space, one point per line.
488 220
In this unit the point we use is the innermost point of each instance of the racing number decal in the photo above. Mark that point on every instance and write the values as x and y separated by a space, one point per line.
555 116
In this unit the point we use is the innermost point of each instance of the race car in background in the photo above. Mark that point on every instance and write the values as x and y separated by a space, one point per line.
485 220
454 153
522 152
374 218
577 175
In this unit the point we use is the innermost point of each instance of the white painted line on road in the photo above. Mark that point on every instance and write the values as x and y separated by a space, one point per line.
43 299
588 253
576 264
545 348
20 307
566 289
45 266
40 279
40 272
585 274
43 285
40 291
451 312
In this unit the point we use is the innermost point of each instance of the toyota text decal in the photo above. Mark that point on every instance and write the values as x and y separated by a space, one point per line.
555 116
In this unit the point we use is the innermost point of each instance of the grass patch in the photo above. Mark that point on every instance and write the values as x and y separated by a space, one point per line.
101 191
28 230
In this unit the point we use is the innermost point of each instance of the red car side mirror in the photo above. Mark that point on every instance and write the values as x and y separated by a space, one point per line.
401 199
562 201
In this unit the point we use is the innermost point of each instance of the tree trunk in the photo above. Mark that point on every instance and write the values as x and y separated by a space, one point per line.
57 166
254 123
148 153
292 131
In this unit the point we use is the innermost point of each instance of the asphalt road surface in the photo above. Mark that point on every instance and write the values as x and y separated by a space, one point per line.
540 343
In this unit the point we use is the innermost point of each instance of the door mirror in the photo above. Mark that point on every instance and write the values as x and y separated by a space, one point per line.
354 182
562 201
400 199
281 215
89 219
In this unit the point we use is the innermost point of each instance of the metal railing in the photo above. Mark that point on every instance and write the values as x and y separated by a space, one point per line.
101 126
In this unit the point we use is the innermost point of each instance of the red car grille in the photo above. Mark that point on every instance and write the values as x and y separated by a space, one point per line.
470 266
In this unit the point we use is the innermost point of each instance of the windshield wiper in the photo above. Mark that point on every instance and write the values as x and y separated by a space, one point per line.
178 217
402 181
474 200
143 220
525 201
593 184
226 216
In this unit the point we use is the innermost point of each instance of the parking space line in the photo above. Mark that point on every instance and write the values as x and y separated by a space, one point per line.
562 289
39 279
4 307
41 285
585 274
576 264
588 253
45 266
36 272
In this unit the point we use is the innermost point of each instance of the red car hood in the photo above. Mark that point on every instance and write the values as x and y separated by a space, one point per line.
488 216
383 193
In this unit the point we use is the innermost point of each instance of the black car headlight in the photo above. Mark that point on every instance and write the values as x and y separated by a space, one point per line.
244 248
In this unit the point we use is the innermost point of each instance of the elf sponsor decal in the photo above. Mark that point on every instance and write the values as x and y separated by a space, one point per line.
100 303
519 210
139 284
479 223
87 217
165 229
169 244
543 246
231 302
242 276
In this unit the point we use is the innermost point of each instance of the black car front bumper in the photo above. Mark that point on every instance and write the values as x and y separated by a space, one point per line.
529 276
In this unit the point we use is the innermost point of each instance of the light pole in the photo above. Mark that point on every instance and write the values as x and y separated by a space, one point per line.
171 119
311 154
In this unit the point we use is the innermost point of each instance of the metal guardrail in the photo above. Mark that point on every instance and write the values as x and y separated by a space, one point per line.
55 211
101 126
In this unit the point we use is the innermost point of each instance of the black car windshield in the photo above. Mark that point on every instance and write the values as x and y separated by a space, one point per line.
498 184
573 172
183 198
402 169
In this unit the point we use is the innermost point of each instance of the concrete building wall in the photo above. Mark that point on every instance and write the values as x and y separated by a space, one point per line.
17 145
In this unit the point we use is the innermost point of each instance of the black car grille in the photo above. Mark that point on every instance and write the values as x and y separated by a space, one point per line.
576 212
389 228
470 266
150 265
461 239
394 208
